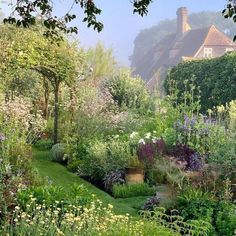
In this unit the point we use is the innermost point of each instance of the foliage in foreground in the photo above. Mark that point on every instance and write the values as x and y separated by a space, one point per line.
38 219
194 204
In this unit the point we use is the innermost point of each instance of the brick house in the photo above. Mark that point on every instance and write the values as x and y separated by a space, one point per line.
185 44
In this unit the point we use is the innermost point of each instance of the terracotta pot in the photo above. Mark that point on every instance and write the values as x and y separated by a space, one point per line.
134 175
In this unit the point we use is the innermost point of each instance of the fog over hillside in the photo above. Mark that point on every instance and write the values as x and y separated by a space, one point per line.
150 37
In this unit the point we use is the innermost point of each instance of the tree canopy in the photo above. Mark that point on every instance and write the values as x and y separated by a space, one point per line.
26 13
25 52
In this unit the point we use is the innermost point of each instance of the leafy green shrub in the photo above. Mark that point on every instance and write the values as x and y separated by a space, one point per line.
224 153
73 165
48 195
129 92
225 222
103 157
175 222
58 152
214 77
132 190
44 144
195 204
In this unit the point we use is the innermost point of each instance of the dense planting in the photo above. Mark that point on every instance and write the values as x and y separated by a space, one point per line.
139 152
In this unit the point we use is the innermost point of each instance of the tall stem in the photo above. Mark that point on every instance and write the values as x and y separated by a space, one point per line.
56 112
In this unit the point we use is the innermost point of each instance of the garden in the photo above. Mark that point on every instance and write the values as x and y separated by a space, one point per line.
86 150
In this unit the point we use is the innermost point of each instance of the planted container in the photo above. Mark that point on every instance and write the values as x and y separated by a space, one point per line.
134 175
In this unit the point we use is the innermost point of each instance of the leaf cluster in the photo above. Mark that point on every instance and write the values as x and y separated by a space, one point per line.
25 14
215 78
230 11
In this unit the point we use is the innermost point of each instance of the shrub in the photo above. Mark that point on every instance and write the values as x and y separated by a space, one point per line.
48 195
115 177
44 144
225 219
103 157
191 160
73 165
129 92
96 219
195 204
58 152
214 77
224 154
132 190
151 203
175 222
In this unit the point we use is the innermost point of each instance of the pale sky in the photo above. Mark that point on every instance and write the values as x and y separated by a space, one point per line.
121 26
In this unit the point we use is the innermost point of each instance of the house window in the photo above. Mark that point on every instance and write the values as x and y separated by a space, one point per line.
229 50
208 52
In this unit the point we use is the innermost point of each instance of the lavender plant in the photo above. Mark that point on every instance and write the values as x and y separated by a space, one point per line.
194 132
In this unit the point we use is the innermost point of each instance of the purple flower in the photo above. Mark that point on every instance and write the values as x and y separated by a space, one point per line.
192 160
148 151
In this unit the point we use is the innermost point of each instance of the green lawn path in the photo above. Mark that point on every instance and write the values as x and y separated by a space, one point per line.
60 176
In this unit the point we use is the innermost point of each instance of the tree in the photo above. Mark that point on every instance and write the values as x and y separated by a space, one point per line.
26 50
129 92
24 15
101 61
230 11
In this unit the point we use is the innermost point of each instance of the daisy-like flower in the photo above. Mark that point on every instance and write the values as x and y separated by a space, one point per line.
133 134
141 141
148 135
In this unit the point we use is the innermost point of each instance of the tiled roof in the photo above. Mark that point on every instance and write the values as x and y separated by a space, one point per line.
184 48
191 43
217 38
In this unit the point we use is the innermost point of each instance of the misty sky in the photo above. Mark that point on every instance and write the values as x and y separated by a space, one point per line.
121 26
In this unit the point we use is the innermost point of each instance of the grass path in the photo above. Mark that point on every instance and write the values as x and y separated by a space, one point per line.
60 176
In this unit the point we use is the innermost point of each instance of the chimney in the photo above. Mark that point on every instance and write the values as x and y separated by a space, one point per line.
182 21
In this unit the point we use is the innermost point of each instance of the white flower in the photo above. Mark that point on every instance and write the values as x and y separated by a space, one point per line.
141 141
133 134
154 140
148 135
